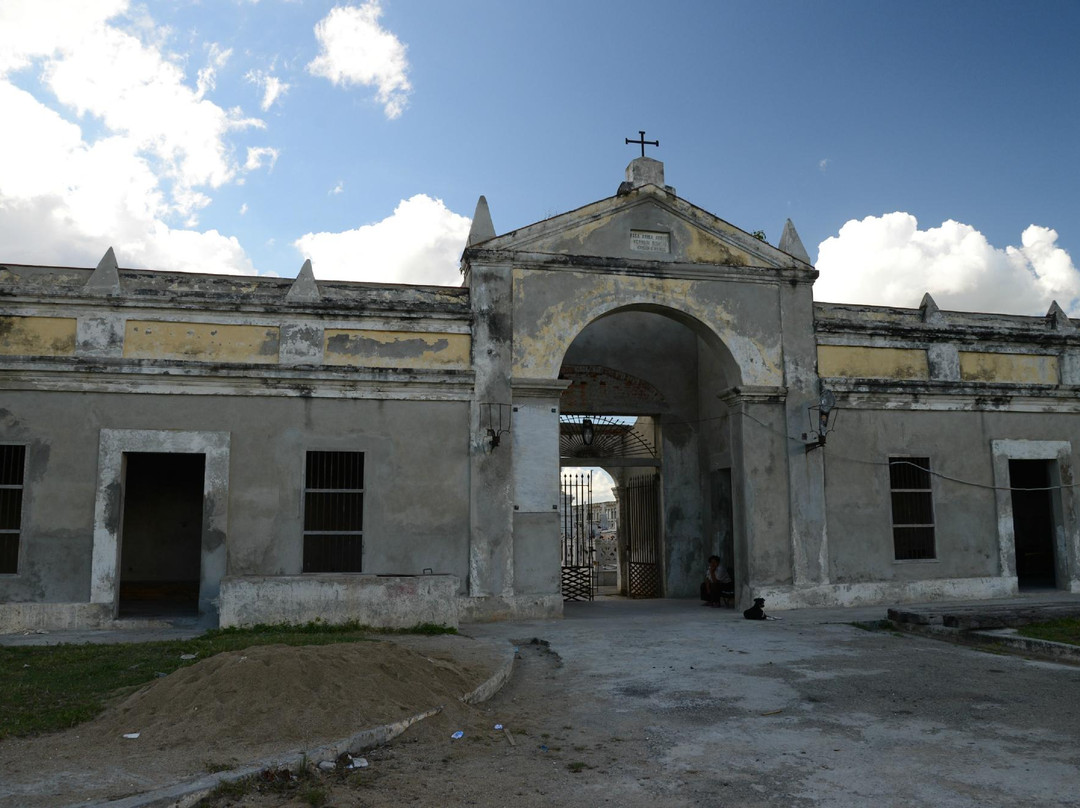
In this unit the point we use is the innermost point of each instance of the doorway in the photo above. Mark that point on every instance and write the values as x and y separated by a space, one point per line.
161 530
1033 523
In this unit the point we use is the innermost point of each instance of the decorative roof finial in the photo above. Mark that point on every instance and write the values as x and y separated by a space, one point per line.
643 142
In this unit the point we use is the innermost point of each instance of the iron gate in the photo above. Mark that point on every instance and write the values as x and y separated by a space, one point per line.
641 521
578 570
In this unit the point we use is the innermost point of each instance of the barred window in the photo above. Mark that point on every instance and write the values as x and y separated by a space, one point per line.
912 508
334 512
12 461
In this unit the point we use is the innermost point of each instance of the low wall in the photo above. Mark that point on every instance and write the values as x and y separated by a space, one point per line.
514 607
398 601
16 617
931 590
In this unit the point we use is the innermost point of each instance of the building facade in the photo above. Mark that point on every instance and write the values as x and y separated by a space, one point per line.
276 450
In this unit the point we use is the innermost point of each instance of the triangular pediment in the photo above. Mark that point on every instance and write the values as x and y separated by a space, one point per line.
645 223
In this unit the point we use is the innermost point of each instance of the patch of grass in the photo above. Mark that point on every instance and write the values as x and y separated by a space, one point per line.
50 688
578 766
873 625
229 789
315 796
1066 630
215 766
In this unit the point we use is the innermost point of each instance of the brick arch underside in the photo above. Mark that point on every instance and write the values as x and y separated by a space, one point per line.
596 389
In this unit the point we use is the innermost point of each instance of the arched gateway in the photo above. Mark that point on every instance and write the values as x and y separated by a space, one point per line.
642 304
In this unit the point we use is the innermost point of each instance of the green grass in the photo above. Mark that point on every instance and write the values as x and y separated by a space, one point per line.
1066 630
50 688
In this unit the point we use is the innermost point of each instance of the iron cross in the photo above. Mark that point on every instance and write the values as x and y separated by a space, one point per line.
643 142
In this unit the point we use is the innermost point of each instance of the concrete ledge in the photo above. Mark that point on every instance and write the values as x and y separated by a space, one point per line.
16 617
513 607
1001 640
876 593
399 601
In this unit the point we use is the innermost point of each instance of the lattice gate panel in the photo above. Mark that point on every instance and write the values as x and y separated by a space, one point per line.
642 522
578 555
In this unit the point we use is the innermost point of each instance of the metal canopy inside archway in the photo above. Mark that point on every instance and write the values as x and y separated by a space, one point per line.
612 440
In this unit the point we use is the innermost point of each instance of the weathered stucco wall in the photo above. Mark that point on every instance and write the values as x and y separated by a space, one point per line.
980 366
872 363
416 490
37 336
385 602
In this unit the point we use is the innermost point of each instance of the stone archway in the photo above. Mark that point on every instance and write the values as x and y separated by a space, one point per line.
666 368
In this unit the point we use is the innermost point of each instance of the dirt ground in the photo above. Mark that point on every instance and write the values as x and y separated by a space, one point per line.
556 748
238 707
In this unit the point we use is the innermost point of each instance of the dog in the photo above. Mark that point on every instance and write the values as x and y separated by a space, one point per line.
757 611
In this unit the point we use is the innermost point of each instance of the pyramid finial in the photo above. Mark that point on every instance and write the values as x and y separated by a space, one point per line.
106 278
929 310
482 229
1059 320
792 244
304 289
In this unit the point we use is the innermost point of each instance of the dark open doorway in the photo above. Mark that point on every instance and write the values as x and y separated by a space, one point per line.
1033 522
161 537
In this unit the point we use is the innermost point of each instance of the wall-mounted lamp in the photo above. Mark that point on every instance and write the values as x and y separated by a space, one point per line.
587 432
495 421
822 420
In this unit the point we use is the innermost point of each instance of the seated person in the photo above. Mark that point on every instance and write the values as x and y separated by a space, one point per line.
717 586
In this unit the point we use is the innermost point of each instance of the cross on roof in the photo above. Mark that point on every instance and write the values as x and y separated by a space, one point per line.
643 142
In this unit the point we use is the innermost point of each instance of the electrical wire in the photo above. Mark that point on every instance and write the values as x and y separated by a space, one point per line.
915 465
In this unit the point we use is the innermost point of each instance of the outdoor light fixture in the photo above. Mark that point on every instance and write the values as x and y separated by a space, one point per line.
822 420
495 422
587 432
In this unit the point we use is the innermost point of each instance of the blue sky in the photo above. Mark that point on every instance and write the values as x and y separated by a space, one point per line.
916 146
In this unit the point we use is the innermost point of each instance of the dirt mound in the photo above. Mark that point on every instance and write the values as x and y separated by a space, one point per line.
236 707
250 697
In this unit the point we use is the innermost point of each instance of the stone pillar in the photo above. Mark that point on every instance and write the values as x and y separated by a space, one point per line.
537 564
491 542
759 438
806 470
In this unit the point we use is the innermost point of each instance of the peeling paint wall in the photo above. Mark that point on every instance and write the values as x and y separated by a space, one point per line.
872 363
388 349
978 366
37 336
205 342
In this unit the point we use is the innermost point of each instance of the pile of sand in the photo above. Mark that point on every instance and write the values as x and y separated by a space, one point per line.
240 706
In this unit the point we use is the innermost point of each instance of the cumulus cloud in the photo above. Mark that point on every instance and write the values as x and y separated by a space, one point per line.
145 144
355 49
888 260
420 243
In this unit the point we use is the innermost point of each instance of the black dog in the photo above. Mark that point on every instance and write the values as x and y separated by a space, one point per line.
757 611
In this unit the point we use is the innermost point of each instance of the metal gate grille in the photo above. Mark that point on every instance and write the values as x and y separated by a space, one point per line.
578 570
641 520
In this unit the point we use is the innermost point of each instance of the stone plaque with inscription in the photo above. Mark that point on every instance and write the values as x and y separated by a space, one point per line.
650 241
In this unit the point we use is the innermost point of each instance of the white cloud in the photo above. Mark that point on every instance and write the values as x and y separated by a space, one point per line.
273 87
355 49
337 189
257 157
207 77
66 196
888 260
823 164
243 209
420 243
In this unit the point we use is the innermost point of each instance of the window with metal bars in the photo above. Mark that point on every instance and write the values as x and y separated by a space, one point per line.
334 512
912 508
12 461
